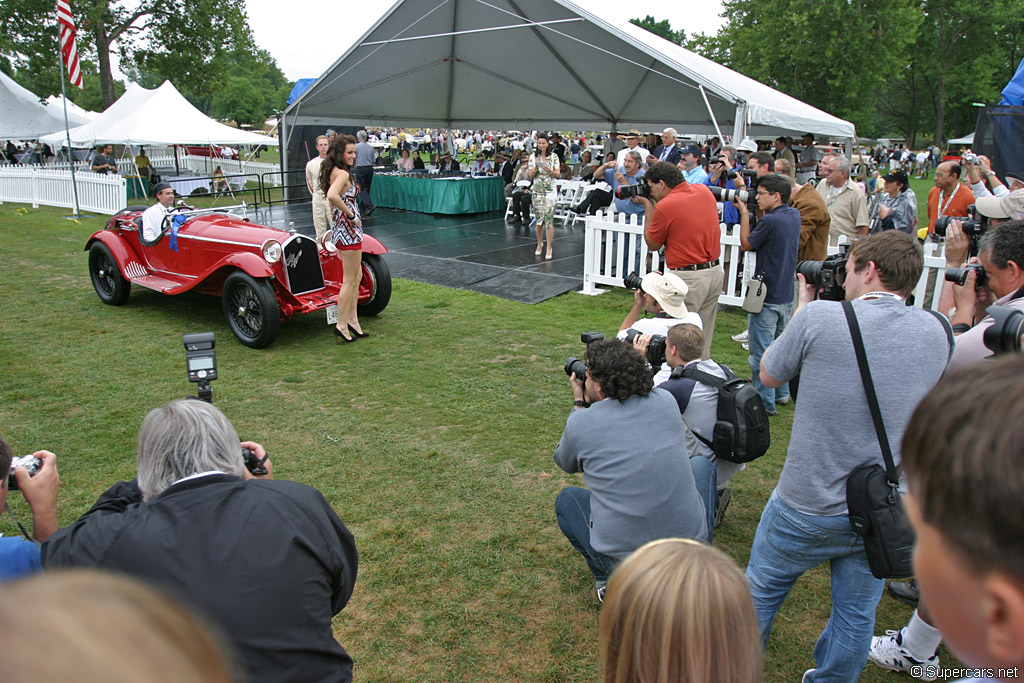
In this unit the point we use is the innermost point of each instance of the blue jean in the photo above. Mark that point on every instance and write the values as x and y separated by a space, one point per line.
764 328
572 508
787 544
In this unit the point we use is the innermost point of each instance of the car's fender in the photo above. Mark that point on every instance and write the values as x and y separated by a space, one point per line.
119 247
372 246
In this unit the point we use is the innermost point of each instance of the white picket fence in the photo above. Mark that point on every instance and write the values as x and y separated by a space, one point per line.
97 192
614 246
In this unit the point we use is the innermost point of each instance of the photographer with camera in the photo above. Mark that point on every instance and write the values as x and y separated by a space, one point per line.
628 173
626 437
269 560
724 175
979 170
1000 281
664 297
775 239
806 521
38 481
685 222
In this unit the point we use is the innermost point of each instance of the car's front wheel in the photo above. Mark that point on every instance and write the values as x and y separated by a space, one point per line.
251 309
107 280
376 277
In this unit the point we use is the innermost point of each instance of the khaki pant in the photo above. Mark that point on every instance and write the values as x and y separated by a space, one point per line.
705 286
321 216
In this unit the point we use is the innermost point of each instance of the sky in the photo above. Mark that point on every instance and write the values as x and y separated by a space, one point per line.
293 32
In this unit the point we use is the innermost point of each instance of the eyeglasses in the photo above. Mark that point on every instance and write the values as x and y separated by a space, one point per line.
939 175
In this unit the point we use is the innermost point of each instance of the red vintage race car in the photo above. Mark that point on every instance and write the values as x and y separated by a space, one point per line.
262 274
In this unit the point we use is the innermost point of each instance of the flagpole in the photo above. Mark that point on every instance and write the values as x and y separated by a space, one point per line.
67 138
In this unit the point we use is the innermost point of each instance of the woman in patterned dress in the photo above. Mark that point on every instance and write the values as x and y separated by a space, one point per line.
346 231
544 169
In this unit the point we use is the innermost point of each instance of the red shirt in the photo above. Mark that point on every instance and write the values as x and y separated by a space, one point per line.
686 222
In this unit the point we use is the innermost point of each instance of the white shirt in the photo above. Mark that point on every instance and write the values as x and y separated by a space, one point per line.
153 221
622 155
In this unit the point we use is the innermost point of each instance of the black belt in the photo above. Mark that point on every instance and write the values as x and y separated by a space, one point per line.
699 266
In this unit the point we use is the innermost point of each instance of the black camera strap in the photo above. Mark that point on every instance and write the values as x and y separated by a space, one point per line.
869 390
24 531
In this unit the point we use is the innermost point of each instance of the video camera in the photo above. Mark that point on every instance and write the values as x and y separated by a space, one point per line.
974 226
1004 334
201 364
828 276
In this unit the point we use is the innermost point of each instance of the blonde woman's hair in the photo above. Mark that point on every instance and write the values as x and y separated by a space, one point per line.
89 626
678 610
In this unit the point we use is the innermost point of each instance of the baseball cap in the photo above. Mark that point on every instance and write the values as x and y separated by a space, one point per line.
691 149
160 187
669 290
1008 206
897 177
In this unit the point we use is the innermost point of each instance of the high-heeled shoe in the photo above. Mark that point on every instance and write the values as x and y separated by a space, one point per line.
338 333
356 333
547 256
539 249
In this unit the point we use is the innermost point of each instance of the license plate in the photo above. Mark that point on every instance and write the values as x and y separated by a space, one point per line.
332 315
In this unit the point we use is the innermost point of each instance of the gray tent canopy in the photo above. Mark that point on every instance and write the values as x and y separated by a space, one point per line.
533 64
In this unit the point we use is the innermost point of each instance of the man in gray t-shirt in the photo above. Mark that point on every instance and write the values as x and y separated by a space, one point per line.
805 522
626 438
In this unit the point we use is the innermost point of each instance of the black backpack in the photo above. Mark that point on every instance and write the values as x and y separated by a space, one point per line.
741 433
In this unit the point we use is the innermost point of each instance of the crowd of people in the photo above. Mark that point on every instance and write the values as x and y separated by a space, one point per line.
256 568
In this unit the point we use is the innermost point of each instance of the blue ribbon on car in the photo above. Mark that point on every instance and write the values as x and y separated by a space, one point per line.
176 223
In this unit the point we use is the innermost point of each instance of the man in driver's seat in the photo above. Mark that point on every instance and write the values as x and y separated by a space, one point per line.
153 217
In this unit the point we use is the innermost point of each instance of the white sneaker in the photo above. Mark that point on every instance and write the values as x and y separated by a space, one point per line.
887 652
784 401
746 346
806 673
742 336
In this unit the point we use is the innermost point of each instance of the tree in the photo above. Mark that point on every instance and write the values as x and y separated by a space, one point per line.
240 101
662 28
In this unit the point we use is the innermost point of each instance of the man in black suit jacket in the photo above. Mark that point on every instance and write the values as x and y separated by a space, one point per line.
667 150
447 163
505 168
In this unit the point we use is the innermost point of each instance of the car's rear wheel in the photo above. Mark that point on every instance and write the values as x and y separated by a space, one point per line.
376 278
107 280
251 309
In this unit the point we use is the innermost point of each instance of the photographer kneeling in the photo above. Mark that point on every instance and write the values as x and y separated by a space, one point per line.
1001 282
269 560
627 439
19 557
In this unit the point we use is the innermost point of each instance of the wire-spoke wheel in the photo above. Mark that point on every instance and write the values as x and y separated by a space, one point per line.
251 309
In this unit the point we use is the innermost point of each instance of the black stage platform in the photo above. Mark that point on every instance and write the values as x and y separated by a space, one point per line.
479 252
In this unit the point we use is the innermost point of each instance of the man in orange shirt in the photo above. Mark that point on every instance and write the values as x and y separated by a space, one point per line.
949 197
685 222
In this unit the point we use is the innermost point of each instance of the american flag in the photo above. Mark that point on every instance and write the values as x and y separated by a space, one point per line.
68 49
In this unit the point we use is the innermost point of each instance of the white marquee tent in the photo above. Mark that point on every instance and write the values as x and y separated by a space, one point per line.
532 64
80 116
156 117
24 117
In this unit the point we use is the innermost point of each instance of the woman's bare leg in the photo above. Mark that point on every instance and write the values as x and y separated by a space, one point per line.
348 295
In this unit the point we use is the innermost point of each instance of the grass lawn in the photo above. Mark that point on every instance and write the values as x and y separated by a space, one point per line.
432 439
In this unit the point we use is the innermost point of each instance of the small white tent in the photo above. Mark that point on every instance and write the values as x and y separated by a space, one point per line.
157 117
77 116
965 140
23 116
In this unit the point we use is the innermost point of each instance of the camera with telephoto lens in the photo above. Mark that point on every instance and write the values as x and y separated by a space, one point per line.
632 281
1004 334
31 465
827 276
655 350
574 364
201 364
959 275
724 195
638 190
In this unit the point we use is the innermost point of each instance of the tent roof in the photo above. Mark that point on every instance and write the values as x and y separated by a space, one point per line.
77 116
23 116
965 140
157 117
527 64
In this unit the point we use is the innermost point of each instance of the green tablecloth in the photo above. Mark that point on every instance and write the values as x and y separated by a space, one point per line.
439 195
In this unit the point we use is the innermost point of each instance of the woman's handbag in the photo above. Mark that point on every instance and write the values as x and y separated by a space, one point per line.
872 491
757 290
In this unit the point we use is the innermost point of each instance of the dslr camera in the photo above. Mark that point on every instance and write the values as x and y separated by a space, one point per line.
574 364
201 364
974 226
655 350
1004 334
632 281
959 275
639 190
724 195
827 276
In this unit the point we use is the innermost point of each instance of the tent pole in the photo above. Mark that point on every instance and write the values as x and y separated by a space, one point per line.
711 113
177 169
739 126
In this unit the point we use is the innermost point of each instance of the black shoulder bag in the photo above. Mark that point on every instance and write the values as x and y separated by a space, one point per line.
872 491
